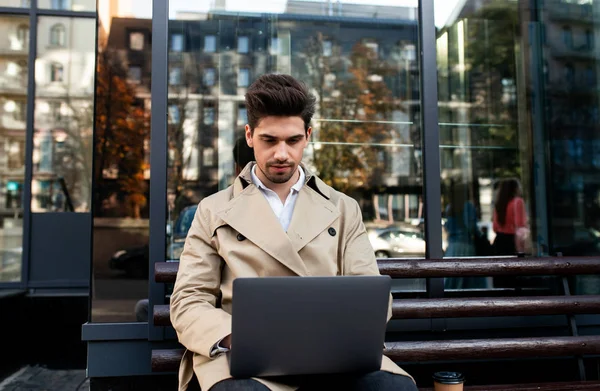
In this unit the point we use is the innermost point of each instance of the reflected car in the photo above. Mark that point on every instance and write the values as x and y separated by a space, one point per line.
134 261
179 232
396 242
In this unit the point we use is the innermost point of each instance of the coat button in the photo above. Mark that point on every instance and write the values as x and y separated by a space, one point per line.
241 237
331 231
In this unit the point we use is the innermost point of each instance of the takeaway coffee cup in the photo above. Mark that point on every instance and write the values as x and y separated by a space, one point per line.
448 381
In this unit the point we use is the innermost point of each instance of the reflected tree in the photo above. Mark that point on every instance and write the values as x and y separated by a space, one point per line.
184 111
121 128
353 104
491 52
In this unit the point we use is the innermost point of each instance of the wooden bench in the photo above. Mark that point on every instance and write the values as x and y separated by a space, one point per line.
436 347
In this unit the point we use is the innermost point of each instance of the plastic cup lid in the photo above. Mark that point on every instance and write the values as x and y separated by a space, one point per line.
448 377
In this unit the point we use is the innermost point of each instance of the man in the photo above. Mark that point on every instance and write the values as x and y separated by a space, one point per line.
242 154
277 219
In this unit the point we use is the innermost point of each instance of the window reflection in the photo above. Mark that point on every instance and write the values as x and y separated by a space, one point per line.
122 163
363 71
13 121
68 5
62 156
517 108
15 3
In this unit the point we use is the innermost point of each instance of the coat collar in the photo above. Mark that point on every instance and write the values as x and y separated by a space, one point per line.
249 213
245 179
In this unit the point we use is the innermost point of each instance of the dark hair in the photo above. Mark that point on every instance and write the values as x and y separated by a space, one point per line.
281 96
509 189
242 153
459 195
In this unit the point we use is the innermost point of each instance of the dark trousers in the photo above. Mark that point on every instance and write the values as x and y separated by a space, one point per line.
374 381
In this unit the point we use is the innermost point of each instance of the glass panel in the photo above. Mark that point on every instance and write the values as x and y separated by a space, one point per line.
62 155
518 110
15 3
68 5
122 163
13 121
569 122
364 72
485 185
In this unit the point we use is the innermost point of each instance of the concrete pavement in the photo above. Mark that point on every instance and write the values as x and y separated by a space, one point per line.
37 378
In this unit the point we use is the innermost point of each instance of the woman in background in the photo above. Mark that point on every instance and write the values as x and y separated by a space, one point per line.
509 217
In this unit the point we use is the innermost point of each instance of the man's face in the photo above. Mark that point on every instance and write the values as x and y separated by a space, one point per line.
278 144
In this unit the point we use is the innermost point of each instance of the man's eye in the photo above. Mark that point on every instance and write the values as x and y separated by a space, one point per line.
293 141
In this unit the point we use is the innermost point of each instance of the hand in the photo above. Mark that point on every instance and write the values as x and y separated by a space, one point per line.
226 342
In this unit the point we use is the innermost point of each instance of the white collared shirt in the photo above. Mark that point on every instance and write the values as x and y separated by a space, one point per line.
283 211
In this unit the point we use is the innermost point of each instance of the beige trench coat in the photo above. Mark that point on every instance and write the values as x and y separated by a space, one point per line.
236 234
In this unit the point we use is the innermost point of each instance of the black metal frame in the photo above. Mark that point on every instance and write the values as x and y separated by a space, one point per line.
158 157
431 140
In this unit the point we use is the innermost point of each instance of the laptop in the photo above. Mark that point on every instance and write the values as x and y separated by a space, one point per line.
308 325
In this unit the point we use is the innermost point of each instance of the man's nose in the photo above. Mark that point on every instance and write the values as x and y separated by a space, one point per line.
281 152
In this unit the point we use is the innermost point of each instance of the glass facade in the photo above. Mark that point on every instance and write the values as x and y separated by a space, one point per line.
13 119
47 74
366 137
64 115
122 165
518 108
516 136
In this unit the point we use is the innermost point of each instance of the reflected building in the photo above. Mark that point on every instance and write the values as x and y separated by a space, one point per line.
215 56
488 131
14 51
571 115
63 137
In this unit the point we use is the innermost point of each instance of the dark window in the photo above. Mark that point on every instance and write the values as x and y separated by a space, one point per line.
56 72
567 36
23 35
58 35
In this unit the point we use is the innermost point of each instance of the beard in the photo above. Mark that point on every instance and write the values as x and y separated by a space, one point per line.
278 177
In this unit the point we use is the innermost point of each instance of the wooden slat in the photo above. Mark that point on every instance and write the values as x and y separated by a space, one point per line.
505 306
166 360
421 268
161 315
558 386
470 349
424 268
468 307
165 271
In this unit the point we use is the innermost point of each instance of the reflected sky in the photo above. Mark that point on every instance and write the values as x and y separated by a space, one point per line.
140 9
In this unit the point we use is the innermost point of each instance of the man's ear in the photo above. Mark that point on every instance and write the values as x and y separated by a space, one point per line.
249 136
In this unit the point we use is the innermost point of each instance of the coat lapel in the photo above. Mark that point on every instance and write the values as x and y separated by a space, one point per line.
312 214
249 213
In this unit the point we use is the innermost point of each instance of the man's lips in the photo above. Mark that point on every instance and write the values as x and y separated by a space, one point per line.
280 167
